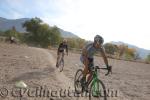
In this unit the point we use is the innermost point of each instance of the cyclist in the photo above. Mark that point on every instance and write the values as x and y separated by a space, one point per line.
87 57
60 52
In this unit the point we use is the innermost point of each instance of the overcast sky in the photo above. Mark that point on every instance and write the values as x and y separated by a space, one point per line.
115 20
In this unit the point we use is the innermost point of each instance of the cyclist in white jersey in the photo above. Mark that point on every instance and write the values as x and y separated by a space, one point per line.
87 55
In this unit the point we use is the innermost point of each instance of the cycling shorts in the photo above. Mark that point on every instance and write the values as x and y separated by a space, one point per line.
90 62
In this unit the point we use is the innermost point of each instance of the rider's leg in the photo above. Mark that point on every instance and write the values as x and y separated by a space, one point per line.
90 68
89 76
86 63
58 56
85 70
63 56
85 83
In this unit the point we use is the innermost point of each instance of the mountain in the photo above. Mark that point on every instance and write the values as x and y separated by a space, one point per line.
67 34
142 52
6 24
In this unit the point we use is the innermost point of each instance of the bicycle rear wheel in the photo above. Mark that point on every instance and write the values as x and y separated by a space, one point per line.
61 65
77 81
97 91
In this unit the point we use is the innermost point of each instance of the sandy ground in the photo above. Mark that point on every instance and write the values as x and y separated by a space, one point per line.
36 67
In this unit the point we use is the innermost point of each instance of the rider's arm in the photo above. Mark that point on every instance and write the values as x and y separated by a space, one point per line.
104 56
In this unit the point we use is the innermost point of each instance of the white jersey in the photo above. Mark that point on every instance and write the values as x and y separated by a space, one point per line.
91 50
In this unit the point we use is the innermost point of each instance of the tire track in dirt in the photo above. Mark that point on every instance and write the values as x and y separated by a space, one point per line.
64 81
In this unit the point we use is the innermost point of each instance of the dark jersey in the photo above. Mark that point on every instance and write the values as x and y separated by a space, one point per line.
62 47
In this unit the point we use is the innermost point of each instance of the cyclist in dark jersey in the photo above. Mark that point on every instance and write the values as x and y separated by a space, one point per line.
87 56
61 49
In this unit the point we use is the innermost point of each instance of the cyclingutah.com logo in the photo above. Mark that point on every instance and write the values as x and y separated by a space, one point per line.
45 92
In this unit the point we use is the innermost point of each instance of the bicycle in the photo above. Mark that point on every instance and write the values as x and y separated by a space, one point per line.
61 62
97 87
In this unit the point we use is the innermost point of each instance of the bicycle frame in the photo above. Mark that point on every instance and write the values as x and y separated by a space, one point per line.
94 84
94 77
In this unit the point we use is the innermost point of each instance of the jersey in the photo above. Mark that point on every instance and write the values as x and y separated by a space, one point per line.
62 47
91 50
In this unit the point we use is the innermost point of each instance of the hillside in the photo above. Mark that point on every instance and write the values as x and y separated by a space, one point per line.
67 34
6 24
142 52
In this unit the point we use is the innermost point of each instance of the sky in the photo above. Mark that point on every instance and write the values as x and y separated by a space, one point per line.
115 20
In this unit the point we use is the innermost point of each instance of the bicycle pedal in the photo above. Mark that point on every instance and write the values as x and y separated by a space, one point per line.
61 70
57 66
85 90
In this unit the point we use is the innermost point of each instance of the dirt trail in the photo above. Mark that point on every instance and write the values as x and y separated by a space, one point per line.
36 67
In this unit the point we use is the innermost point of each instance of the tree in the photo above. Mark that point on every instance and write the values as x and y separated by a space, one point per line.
13 33
121 50
148 58
32 25
41 34
1 33
110 48
81 43
76 43
55 35
137 56
130 53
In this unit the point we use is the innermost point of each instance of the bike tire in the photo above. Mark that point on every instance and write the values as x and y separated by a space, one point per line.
61 65
77 81
97 91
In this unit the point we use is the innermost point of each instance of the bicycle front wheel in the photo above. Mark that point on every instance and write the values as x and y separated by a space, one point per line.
77 81
97 91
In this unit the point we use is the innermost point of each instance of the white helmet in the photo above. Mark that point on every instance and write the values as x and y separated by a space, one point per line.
98 39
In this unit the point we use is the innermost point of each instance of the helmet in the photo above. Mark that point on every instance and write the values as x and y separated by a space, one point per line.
64 40
98 39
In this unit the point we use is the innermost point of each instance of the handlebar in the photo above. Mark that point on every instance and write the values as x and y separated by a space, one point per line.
109 69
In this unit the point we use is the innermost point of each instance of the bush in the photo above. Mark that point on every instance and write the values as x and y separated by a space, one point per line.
110 48
40 34
148 59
